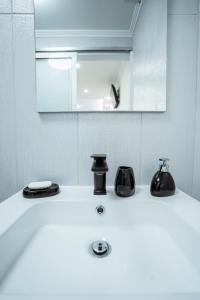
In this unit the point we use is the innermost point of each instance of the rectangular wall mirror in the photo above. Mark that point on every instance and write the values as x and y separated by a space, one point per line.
107 55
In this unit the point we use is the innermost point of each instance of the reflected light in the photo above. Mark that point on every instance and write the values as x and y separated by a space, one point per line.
60 64
107 106
78 66
85 91
108 98
40 2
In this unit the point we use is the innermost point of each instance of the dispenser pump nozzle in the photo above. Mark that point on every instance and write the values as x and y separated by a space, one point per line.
164 166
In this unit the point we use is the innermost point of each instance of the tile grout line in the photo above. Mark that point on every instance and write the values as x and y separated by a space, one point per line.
77 147
16 13
183 14
13 14
15 107
140 148
196 101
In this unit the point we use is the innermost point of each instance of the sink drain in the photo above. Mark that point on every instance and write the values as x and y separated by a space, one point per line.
100 249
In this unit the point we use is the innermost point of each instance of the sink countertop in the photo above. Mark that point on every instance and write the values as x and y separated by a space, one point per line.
183 204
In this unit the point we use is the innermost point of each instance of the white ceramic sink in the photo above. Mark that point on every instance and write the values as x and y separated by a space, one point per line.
44 247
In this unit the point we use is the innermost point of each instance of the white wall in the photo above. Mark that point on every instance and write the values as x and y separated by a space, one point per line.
57 146
7 106
196 178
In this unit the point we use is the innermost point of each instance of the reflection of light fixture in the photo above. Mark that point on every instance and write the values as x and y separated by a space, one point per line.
60 63
78 66
107 106
85 91
108 98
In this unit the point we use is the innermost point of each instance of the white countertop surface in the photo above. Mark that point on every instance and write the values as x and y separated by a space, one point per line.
184 205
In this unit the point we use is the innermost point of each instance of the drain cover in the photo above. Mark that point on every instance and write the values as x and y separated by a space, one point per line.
100 249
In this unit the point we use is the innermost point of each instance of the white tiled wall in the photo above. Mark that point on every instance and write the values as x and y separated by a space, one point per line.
172 134
182 6
117 135
5 6
46 143
196 179
7 109
57 146
23 6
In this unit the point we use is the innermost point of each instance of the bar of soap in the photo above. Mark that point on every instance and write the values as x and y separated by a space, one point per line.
39 185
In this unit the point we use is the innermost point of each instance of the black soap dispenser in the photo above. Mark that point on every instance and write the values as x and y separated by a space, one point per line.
163 184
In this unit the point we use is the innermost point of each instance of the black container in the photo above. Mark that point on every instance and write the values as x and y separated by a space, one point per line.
162 184
41 193
125 182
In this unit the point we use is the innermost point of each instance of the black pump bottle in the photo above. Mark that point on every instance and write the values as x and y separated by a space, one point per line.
163 184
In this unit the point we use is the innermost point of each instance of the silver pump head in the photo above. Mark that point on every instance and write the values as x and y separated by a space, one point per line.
163 164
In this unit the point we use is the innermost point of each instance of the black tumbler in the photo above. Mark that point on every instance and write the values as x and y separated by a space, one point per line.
125 182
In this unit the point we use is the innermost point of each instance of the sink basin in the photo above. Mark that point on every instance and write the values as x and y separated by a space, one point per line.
45 250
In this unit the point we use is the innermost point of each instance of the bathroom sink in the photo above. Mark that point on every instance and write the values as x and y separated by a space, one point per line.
45 247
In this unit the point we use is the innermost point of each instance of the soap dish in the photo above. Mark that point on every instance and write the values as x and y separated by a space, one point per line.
41 193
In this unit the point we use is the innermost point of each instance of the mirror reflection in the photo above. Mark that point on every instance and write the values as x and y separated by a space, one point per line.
103 81
87 58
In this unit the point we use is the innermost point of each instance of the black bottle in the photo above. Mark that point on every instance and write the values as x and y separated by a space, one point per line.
163 184
125 182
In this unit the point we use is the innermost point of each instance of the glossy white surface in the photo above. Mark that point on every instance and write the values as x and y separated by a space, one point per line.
39 185
155 246
54 84
97 72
